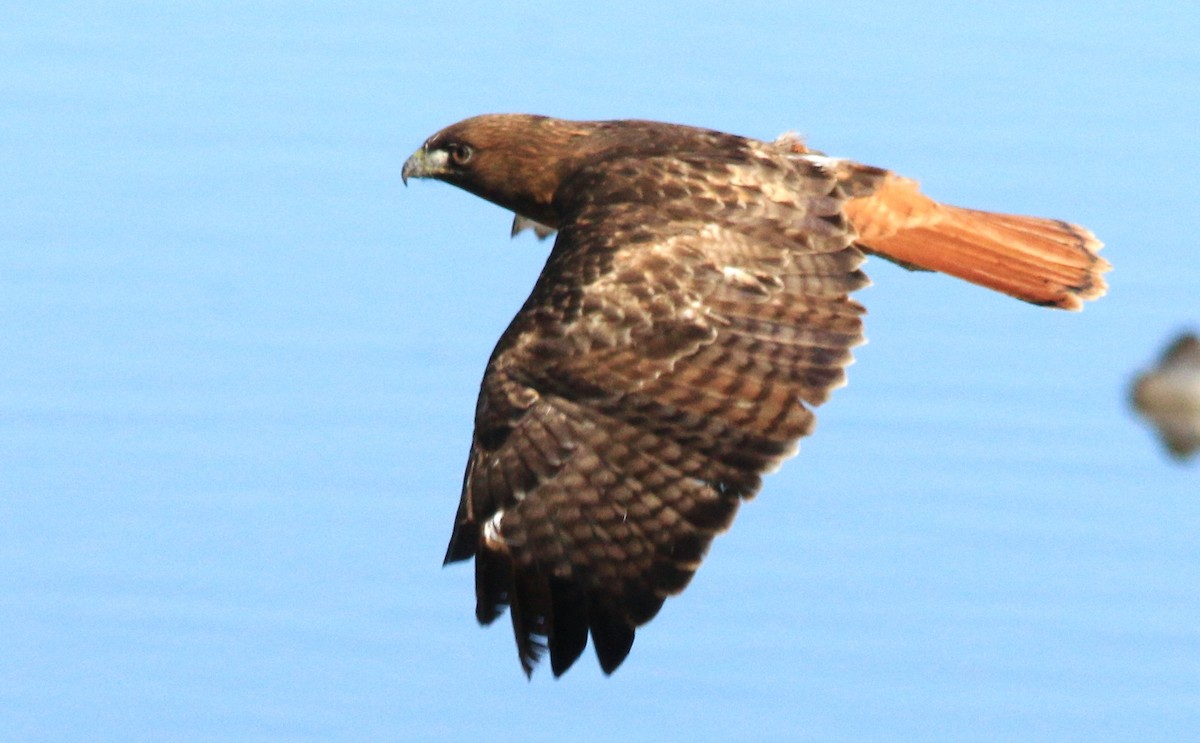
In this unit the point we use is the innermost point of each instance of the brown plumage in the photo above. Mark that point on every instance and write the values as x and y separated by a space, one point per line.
693 310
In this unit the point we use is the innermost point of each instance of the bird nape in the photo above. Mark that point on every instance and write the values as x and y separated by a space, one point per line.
694 308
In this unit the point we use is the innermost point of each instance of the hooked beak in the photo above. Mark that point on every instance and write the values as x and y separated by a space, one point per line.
423 164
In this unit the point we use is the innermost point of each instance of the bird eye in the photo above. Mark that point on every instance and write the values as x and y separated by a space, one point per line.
460 153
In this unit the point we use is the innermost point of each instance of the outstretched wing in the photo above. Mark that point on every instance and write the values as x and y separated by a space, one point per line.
690 314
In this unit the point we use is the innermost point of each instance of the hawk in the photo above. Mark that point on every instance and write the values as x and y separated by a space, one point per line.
693 311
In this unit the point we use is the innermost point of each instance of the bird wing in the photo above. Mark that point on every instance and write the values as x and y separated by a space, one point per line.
690 314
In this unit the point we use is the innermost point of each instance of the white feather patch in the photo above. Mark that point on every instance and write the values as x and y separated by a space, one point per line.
491 530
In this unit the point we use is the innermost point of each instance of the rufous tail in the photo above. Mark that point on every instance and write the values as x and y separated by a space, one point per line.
1043 261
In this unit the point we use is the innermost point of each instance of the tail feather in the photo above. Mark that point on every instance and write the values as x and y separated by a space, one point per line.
1043 261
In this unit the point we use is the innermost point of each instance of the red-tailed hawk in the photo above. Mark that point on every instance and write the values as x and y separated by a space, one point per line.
693 310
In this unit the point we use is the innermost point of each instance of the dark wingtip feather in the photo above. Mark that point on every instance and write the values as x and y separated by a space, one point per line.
568 625
530 649
464 539
612 638
530 608
493 585
462 545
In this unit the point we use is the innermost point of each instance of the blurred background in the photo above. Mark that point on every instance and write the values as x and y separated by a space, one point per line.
240 360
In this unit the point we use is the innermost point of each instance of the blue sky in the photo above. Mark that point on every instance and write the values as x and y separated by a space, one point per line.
242 362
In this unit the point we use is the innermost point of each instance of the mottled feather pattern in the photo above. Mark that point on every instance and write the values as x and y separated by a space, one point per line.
676 363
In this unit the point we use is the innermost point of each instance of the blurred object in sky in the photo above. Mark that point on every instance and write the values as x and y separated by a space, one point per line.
1168 396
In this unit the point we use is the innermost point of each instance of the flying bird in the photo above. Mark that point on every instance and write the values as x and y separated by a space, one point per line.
693 311
1168 396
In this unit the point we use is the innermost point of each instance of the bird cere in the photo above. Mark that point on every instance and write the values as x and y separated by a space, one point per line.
694 308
